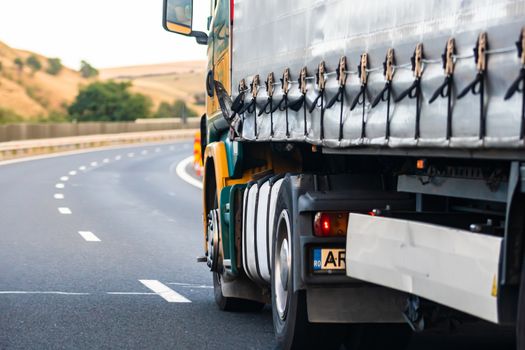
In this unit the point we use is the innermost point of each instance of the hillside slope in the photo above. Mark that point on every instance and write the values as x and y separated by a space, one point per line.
31 94
165 82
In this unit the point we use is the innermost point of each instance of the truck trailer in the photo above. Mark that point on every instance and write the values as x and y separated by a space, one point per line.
364 164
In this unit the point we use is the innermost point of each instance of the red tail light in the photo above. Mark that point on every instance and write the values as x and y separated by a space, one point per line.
232 12
328 224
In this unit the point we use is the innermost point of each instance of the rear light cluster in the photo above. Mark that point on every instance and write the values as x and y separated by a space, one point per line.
330 224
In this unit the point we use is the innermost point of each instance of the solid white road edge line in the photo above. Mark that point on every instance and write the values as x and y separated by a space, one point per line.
181 172
64 210
58 196
164 291
89 236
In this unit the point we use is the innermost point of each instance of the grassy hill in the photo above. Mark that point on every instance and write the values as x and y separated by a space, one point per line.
29 94
165 82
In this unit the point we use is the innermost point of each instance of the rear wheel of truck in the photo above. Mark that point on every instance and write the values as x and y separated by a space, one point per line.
290 320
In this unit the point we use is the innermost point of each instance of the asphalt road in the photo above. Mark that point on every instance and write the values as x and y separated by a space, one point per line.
97 251
59 291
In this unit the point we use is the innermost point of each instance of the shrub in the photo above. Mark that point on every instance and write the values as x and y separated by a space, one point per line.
176 110
87 70
34 63
109 101
54 66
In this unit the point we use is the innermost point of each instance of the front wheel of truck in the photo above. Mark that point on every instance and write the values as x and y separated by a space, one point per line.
224 303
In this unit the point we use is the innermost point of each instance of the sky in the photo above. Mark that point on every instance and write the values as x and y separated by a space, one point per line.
106 33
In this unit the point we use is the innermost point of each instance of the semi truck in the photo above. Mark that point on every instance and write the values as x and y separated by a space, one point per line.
364 164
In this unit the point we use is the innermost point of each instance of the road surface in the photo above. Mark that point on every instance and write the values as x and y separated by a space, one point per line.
97 250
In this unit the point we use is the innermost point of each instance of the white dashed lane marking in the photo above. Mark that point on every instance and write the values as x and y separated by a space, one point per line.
157 150
82 167
118 157
59 185
94 163
64 178
105 160
131 155
58 196
144 152
89 236
72 172
64 210
164 291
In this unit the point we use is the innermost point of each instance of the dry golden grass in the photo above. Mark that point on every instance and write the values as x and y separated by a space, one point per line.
32 94
164 82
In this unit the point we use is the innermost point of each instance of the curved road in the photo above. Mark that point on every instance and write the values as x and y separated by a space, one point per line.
59 290
97 250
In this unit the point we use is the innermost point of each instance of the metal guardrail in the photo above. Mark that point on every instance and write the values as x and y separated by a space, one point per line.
18 149
16 132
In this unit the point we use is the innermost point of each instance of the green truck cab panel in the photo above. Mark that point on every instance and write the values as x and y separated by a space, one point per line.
228 208
234 152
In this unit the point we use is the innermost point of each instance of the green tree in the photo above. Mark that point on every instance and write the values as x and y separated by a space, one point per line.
54 66
34 63
165 110
109 101
19 65
176 110
87 70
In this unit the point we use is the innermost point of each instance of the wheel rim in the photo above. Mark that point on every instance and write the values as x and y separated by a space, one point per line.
213 239
283 264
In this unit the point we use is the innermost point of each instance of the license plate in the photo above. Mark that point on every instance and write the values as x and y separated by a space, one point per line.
328 259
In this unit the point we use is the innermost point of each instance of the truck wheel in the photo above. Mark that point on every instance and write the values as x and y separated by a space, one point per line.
290 319
228 303
232 304
520 324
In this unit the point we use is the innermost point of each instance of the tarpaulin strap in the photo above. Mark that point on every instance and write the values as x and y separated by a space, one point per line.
283 104
414 91
268 107
477 86
360 99
251 107
301 102
340 96
319 100
386 94
519 83
238 103
445 89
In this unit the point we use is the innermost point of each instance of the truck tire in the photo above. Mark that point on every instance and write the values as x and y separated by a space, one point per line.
232 304
228 303
520 324
290 319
